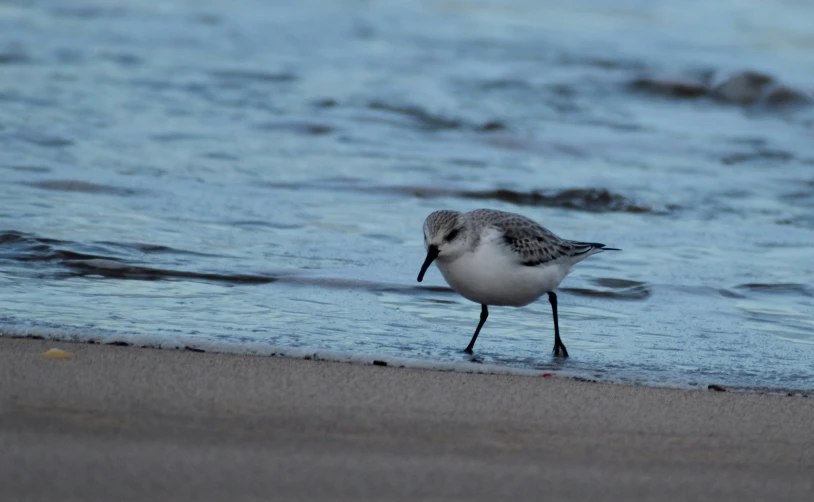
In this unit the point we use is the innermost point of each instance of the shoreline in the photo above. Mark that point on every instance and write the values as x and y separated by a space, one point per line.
417 364
129 423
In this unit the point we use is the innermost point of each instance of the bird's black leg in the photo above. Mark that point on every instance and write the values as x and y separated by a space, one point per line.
484 313
552 298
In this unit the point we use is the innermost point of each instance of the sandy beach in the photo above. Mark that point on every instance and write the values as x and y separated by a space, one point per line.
122 423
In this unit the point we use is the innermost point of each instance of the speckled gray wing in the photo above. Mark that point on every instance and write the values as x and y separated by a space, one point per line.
533 243
536 246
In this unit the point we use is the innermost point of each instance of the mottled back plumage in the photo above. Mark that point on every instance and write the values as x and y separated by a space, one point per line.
533 243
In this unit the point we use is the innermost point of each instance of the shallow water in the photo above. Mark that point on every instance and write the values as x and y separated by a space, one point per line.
254 176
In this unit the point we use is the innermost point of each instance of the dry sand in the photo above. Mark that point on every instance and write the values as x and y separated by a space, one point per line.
120 423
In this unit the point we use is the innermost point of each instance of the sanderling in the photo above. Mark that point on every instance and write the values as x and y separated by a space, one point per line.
499 258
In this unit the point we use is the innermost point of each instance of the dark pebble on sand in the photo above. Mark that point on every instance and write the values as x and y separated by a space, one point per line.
581 379
379 363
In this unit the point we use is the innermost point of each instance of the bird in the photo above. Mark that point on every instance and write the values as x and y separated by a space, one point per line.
500 258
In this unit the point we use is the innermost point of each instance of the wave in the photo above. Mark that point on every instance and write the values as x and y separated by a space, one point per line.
597 200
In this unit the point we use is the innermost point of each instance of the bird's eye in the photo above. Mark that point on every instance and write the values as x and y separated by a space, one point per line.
451 235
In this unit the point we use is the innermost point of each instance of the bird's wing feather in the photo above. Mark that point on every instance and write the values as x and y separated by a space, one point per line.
535 247
532 243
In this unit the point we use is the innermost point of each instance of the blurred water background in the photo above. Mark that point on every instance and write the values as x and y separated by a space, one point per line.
253 176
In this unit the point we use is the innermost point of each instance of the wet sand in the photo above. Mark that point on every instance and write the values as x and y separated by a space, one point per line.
122 423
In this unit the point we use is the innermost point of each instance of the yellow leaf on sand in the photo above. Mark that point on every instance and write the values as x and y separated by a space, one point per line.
57 354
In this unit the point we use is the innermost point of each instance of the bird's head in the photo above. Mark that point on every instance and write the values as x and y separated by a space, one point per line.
444 238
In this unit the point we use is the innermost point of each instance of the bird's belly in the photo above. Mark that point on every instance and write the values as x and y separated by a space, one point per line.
501 281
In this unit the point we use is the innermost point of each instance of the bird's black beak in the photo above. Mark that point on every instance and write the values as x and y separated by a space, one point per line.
432 254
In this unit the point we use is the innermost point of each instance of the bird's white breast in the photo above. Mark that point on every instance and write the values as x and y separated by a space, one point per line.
492 274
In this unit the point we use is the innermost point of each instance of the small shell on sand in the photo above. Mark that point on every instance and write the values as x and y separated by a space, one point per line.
57 354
